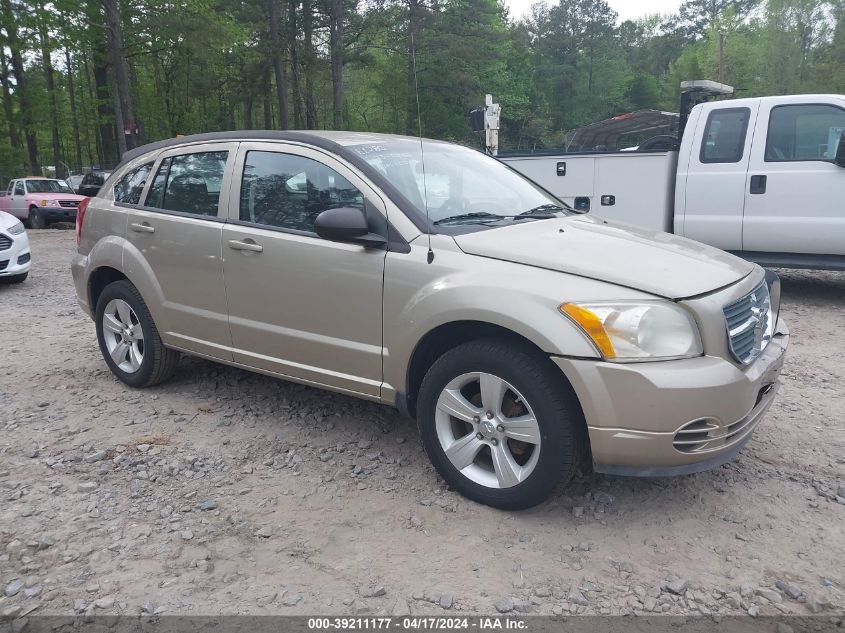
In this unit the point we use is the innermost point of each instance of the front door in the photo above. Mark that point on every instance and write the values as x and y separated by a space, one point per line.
715 181
299 305
795 193
176 233
18 204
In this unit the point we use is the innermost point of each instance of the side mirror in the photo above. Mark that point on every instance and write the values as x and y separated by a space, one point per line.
840 151
346 224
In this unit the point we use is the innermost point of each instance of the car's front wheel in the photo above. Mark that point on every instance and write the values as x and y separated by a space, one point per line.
128 337
499 424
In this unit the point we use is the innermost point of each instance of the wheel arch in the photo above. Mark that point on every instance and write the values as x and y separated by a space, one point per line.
98 280
446 336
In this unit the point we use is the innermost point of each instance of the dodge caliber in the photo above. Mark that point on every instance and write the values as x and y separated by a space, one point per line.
524 338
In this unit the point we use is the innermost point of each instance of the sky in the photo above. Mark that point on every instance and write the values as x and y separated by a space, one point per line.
627 9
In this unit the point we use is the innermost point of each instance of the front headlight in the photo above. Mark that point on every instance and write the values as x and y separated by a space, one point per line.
15 229
628 331
49 203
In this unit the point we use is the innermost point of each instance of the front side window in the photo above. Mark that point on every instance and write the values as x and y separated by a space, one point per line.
48 186
289 191
804 132
724 135
19 188
128 189
189 183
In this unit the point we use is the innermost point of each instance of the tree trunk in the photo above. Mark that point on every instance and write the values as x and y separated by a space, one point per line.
127 134
336 51
248 100
294 64
276 50
89 103
8 109
14 45
308 64
49 80
74 119
414 30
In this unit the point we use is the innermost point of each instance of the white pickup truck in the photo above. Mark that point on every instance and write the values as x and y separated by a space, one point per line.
761 177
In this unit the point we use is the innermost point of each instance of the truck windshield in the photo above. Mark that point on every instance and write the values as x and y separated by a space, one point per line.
458 185
47 186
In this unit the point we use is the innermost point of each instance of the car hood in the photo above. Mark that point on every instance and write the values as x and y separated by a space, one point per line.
7 220
651 261
56 195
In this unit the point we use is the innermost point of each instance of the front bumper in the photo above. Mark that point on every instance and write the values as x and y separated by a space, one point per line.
634 411
16 259
58 214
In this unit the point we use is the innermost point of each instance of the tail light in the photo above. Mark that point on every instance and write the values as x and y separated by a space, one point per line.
80 218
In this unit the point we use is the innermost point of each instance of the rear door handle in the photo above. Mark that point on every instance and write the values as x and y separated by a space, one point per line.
758 184
245 246
143 227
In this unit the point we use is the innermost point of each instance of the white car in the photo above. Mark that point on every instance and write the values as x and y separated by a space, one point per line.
15 258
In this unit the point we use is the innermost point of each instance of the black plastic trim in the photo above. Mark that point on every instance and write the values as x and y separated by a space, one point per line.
804 261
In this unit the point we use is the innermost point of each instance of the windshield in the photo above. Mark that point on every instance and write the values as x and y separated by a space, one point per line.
460 185
47 186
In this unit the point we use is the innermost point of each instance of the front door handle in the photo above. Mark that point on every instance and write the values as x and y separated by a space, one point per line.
246 246
758 184
143 227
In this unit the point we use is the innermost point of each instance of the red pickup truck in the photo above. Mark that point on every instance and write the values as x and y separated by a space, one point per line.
40 201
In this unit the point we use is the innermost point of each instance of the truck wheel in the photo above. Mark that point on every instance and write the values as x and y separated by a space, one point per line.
129 340
499 425
36 220
14 279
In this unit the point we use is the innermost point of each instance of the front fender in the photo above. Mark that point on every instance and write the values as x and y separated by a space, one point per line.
419 298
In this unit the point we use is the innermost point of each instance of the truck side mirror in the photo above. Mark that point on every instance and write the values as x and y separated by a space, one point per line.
840 151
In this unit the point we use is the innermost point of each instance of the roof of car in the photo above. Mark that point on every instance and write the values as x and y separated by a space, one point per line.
327 139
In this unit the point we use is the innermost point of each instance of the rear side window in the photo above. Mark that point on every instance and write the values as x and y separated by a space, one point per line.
289 192
129 188
804 132
189 183
724 135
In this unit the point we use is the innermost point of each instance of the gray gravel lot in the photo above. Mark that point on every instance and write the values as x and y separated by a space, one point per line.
225 492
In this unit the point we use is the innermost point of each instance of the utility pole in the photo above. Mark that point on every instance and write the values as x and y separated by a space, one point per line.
721 57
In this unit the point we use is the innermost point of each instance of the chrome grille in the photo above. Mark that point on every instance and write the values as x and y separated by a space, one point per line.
5 242
750 323
69 203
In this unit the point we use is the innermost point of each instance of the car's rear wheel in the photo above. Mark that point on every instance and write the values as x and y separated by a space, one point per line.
128 337
499 424
36 220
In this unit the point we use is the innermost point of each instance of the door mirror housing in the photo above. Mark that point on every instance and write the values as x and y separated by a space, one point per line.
346 224
840 151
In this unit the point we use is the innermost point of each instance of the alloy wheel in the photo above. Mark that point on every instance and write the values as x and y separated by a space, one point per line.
487 430
123 335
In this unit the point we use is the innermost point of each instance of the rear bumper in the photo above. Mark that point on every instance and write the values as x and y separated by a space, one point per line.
17 259
634 411
58 214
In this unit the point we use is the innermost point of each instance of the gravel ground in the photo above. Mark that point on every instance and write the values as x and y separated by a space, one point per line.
225 492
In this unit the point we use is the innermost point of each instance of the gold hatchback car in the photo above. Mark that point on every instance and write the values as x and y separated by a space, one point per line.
523 337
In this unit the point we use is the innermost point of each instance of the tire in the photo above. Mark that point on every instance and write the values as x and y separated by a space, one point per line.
36 220
14 279
533 389
157 362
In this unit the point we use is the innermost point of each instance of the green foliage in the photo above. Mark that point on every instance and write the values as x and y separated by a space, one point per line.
204 65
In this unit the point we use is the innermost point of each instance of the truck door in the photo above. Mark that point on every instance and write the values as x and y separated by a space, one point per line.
714 183
18 202
794 193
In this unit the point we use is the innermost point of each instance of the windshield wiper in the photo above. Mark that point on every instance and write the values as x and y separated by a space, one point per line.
541 212
468 217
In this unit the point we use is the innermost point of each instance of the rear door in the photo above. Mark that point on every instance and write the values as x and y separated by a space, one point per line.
177 232
714 195
795 195
299 305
